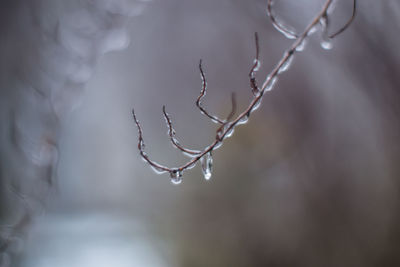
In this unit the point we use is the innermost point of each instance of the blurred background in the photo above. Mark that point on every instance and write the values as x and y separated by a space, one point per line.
311 180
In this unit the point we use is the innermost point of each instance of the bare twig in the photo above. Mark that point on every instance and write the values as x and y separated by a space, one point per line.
228 125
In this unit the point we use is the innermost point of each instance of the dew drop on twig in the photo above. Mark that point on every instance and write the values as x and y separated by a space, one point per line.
229 133
286 65
157 170
301 46
243 120
271 84
218 145
257 105
176 177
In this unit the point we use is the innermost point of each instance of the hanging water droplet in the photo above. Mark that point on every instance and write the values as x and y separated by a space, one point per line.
243 120
206 165
326 44
176 176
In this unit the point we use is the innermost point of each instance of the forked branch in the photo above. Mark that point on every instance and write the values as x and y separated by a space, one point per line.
227 125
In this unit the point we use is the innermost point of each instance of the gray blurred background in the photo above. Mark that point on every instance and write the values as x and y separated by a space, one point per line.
311 180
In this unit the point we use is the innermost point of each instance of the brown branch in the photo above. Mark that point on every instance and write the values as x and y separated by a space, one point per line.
348 23
255 68
174 141
228 125
202 94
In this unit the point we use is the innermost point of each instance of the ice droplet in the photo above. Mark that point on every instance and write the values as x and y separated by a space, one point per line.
206 165
176 176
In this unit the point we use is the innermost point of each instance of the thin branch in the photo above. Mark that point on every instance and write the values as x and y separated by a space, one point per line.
255 68
293 35
348 23
228 125
233 110
174 141
202 94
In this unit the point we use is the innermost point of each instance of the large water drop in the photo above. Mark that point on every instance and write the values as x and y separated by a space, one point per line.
206 165
326 44
176 177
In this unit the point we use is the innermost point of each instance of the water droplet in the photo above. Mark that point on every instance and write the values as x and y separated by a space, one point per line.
257 65
229 133
243 120
331 7
271 84
191 166
301 46
176 176
217 145
206 165
285 66
326 44
257 104
312 30
192 153
288 33
158 170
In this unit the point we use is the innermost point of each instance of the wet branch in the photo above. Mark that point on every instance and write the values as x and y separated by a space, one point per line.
227 125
